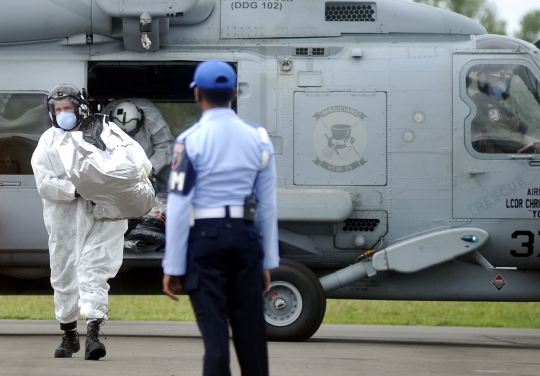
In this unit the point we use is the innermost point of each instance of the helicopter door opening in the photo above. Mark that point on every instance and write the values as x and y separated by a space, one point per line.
166 84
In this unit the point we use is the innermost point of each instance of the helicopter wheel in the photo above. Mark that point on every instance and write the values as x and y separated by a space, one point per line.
295 306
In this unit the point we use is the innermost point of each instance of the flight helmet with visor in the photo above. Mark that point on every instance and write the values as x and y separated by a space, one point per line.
128 117
65 92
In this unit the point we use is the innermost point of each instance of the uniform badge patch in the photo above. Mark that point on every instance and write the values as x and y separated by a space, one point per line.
176 159
494 115
183 175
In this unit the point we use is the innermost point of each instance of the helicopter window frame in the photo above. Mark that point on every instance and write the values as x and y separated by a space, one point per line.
20 130
467 98
504 42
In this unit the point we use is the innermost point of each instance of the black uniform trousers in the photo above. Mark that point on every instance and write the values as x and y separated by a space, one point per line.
225 284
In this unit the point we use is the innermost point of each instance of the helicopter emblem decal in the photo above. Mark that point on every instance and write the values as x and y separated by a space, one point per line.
339 138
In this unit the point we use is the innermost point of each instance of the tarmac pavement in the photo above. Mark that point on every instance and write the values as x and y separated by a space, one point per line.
176 348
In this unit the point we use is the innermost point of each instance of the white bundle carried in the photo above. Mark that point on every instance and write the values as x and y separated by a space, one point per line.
115 179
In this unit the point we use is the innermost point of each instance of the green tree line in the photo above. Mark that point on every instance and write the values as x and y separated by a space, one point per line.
485 12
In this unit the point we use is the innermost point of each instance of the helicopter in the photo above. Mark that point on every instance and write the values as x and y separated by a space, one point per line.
386 188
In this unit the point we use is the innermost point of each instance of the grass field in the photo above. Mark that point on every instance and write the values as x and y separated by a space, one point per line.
161 308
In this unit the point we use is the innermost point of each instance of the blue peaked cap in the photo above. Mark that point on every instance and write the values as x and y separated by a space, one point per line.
214 74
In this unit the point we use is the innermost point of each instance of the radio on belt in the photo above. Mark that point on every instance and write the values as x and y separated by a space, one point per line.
250 208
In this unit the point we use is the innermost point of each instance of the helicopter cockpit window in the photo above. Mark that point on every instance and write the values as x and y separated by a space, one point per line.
505 109
23 118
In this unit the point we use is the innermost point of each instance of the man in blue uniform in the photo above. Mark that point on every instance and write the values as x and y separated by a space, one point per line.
218 167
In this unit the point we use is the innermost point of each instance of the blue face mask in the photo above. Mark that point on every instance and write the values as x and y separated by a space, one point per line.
66 120
497 90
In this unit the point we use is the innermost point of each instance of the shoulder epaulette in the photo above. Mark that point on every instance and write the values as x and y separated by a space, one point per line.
262 132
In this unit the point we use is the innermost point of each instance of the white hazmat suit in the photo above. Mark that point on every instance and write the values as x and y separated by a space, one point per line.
84 253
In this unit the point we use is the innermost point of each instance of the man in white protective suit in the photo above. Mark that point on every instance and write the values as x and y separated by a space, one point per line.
145 123
84 253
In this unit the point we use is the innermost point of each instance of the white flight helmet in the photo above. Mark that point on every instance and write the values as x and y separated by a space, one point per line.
128 117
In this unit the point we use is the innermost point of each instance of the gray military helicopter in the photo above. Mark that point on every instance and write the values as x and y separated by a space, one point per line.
395 179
